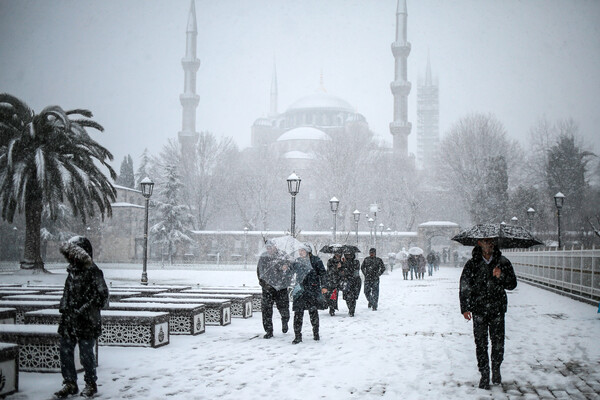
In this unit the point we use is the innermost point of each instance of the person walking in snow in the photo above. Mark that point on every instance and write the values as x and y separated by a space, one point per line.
272 267
350 274
430 262
308 294
85 293
334 267
372 268
483 284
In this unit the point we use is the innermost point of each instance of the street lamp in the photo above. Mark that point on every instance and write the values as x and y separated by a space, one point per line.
356 215
371 222
514 220
530 214
245 247
334 203
162 246
293 182
559 199
381 226
373 208
147 187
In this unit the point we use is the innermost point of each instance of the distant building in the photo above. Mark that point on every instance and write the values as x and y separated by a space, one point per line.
428 117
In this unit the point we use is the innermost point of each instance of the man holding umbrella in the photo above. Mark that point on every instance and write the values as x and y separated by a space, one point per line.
483 284
484 280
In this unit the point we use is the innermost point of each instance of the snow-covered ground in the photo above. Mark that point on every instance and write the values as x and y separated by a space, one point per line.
415 346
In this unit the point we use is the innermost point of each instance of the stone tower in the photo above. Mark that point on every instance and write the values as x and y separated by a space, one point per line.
428 117
189 99
400 127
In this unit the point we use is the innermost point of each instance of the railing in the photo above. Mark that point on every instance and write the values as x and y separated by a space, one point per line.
574 271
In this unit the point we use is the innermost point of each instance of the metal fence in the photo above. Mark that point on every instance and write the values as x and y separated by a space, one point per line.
574 271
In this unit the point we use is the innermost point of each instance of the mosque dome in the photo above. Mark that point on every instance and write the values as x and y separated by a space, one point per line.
304 133
298 155
263 122
321 100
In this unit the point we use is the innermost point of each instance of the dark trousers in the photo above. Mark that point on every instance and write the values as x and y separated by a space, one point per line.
351 303
86 357
372 292
482 324
279 298
299 319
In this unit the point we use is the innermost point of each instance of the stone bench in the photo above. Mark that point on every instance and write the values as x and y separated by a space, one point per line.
217 312
119 328
241 305
8 315
9 368
24 306
39 347
5 293
185 319
169 288
255 293
112 296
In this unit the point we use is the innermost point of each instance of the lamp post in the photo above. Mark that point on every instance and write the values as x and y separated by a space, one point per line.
530 214
245 247
381 226
147 187
293 182
334 203
356 215
371 222
559 199
16 247
162 246
514 220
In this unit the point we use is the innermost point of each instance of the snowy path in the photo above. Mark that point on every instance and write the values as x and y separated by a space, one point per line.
416 346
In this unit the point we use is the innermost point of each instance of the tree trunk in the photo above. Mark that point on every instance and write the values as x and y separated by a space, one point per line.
32 258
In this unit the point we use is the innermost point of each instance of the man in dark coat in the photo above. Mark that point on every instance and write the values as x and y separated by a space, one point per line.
308 292
483 284
273 267
334 267
350 275
85 293
372 268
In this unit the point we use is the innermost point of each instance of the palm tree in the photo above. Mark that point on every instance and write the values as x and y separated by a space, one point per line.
47 160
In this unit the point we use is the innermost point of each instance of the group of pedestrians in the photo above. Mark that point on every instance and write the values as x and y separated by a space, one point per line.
315 288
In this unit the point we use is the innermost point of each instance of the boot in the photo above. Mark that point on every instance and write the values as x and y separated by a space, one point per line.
484 382
90 389
496 377
268 335
68 389
331 312
284 326
297 339
316 334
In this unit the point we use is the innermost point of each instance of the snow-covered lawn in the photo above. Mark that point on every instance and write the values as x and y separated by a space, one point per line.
415 346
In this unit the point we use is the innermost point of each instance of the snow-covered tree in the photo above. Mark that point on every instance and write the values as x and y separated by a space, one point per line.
126 177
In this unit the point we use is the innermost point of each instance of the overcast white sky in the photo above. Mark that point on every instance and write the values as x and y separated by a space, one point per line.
121 59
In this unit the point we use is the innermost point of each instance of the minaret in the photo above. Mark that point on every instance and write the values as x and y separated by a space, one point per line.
273 110
189 99
400 127
428 116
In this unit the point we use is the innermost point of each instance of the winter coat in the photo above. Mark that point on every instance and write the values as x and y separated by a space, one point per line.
84 294
333 273
480 291
351 277
372 268
309 289
430 258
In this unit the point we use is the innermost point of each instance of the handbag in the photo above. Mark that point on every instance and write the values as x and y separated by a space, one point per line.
321 302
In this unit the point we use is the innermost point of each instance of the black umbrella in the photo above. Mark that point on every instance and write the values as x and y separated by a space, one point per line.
507 236
348 249
331 248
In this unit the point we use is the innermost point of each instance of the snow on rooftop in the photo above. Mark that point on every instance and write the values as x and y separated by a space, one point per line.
304 133
122 204
439 223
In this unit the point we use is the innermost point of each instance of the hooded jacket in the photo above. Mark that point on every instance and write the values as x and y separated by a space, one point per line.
480 291
84 294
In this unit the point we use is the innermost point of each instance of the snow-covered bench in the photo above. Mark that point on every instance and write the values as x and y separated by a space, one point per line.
39 346
8 315
119 328
23 306
241 305
217 312
112 296
9 368
169 288
255 293
6 293
185 319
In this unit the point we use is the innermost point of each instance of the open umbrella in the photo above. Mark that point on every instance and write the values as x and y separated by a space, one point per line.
415 251
331 248
507 236
348 249
275 262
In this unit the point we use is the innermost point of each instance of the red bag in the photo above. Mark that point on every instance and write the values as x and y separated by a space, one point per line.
334 295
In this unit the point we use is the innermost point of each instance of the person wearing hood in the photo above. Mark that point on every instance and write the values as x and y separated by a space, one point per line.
352 283
84 294
334 267
483 284
308 292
